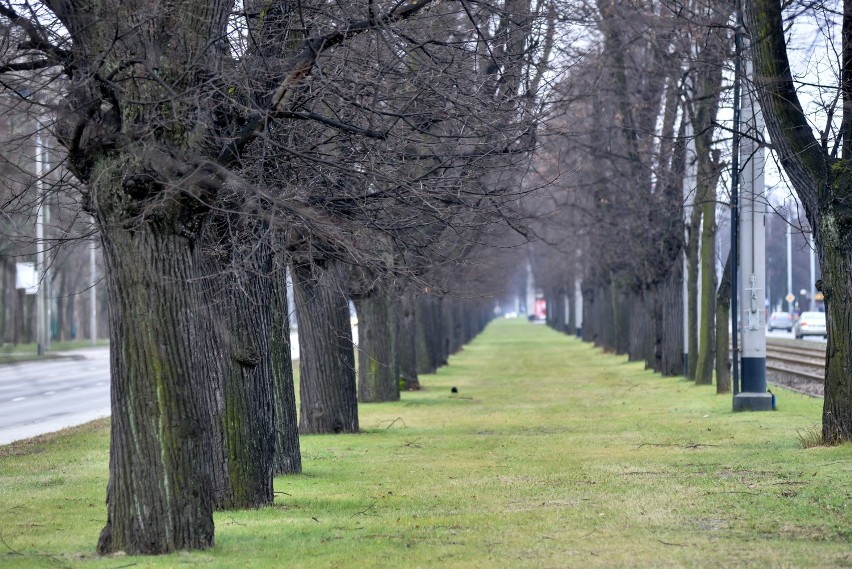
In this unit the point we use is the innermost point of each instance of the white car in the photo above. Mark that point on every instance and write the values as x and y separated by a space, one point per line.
810 324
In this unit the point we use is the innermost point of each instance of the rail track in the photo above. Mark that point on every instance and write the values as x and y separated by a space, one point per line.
796 365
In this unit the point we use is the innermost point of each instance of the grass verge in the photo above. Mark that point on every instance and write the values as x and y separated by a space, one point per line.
17 353
552 454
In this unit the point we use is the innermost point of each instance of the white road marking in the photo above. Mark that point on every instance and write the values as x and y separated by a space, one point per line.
18 399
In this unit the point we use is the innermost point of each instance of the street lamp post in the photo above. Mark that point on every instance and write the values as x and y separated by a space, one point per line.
93 291
41 328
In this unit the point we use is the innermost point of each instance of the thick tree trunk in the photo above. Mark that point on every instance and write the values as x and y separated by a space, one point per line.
247 385
406 342
425 335
836 263
378 370
671 299
327 386
639 322
159 497
288 456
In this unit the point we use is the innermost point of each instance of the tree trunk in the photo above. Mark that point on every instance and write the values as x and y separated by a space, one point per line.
247 384
672 322
822 183
406 342
288 456
159 498
61 299
707 332
327 386
378 371
836 262
723 316
692 262
425 341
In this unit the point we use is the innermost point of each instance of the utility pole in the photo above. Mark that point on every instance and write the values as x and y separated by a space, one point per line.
93 290
752 254
790 295
530 290
578 306
48 278
689 184
812 293
41 333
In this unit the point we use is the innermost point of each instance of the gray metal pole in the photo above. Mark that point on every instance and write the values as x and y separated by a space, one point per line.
530 290
578 306
93 291
752 254
689 183
40 272
48 278
735 219
790 261
812 293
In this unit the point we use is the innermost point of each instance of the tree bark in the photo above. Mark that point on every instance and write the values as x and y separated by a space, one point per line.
327 385
159 497
406 342
425 335
288 456
378 370
707 331
247 384
692 262
723 318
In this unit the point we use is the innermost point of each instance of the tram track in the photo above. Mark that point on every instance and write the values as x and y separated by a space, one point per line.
796 365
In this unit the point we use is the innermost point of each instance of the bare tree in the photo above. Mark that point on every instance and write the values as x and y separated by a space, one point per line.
818 170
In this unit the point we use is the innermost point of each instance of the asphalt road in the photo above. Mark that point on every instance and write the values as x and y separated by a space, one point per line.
46 396
41 397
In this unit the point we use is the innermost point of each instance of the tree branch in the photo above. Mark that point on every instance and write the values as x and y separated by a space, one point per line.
300 66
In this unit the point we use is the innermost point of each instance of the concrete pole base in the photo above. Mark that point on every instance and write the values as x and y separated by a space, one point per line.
746 401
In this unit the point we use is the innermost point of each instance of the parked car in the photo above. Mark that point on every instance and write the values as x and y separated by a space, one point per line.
780 321
810 324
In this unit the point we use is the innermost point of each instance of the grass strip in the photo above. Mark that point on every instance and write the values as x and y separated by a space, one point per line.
551 454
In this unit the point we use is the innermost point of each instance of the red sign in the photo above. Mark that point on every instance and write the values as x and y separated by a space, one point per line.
540 310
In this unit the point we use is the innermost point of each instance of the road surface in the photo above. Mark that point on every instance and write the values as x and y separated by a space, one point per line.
45 396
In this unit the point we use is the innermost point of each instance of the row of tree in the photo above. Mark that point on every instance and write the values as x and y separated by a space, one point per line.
373 148
637 156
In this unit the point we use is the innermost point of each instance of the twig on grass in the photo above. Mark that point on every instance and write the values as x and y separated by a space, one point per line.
9 547
366 511
391 423
687 445
672 544
13 551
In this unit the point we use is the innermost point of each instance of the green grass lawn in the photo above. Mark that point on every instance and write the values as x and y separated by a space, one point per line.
551 455
15 353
